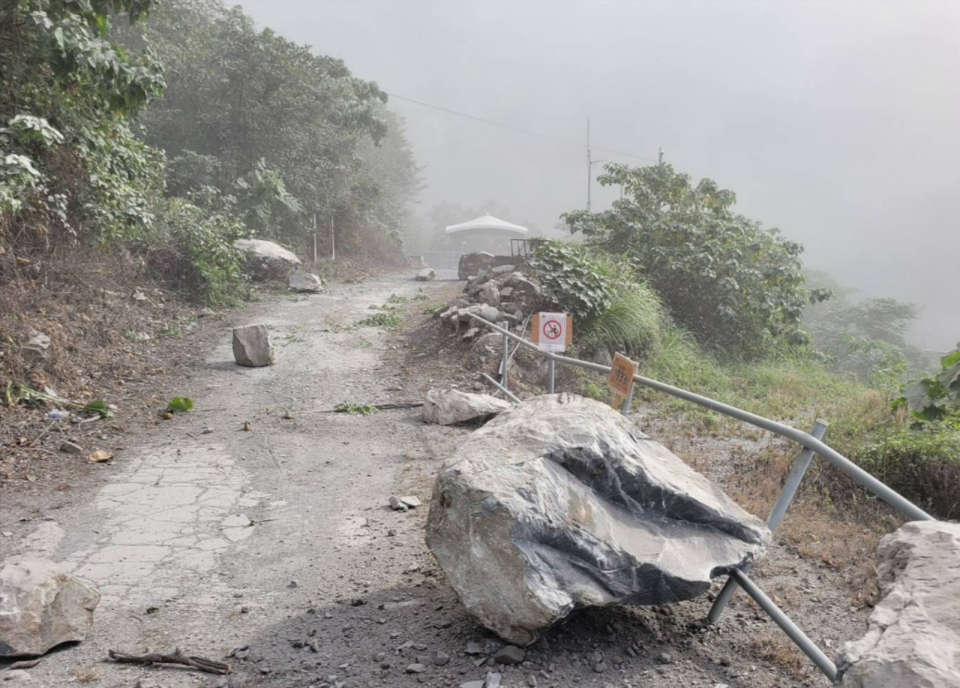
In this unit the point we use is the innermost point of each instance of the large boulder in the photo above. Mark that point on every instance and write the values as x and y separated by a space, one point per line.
305 282
913 639
41 606
426 275
452 407
560 503
267 260
252 347
477 263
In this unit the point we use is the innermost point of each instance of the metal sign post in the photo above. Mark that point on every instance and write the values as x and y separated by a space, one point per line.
551 332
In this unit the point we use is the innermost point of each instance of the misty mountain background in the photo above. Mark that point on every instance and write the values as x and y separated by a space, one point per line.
835 122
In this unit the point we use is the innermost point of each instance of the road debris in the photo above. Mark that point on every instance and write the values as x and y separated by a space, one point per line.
151 658
100 456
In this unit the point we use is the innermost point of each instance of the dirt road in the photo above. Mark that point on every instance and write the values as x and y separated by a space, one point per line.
276 545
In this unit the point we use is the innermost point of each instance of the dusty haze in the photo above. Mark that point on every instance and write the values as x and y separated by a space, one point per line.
837 123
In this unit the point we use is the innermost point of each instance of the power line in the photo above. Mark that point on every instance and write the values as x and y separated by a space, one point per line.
514 128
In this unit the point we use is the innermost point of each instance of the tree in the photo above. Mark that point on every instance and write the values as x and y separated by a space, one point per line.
735 284
69 165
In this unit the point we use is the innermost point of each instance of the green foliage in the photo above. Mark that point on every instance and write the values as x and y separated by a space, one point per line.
921 463
274 131
193 249
99 406
68 161
611 309
572 280
435 309
179 405
736 285
396 298
355 409
384 320
935 397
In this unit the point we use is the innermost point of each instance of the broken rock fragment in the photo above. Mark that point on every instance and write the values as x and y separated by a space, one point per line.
560 503
42 606
251 346
426 275
913 639
305 282
453 407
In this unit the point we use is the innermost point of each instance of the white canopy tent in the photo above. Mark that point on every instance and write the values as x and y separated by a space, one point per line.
486 225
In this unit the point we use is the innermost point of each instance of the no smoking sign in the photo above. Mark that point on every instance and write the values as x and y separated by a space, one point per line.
551 331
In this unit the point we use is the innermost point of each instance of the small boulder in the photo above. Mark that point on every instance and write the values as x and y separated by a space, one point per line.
475 264
490 343
42 606
426 275
490 314
305 282
503 269
453 407
252 347
914 632
489 294
506 292
267 260
35 350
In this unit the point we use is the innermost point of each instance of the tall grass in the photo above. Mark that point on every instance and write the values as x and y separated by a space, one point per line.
631 325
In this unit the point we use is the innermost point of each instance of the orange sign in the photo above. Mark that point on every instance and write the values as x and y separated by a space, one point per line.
622 371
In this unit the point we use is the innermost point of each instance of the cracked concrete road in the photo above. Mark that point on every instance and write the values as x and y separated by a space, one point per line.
205 536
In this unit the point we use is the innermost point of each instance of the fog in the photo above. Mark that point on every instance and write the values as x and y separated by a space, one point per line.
837 123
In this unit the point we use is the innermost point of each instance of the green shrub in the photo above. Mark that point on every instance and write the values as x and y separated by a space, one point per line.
727 279
935 397
611 311
921 463
192 248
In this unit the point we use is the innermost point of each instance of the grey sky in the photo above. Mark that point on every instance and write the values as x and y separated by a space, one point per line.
837 123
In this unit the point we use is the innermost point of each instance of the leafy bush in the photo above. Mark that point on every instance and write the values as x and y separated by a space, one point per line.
935 397
734 284
611 311
193 249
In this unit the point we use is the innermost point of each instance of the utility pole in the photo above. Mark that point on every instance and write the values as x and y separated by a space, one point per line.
660 157
333 240
589 166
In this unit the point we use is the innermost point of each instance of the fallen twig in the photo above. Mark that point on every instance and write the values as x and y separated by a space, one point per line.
201 663
45 431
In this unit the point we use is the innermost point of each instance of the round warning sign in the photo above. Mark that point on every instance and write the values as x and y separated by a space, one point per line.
552 330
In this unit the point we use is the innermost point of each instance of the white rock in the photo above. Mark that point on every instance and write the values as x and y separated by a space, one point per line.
453 407
913 639
251 346
41 606
267 260
560 503
426 275
305 282
35 350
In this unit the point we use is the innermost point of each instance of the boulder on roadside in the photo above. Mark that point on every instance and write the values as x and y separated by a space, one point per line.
305 282
426 275
560 503
913 640
489 294
453 407
475 264
42 606
267 260
252 347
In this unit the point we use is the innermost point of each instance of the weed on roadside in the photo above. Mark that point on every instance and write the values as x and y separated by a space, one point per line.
354 409
384 320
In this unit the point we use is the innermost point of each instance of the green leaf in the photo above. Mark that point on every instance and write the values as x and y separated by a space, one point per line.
98 406
180 405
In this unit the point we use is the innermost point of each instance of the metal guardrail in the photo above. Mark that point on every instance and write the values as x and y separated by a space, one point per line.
811 442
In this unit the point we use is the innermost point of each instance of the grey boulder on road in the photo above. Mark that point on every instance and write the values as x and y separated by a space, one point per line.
252 347
42 606
560 503
267 260
914 635
305 282
452 407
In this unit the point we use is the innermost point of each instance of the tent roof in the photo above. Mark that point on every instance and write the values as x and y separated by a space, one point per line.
487 225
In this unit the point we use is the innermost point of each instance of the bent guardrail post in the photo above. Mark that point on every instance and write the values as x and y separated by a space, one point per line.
797 471
510 395
799 638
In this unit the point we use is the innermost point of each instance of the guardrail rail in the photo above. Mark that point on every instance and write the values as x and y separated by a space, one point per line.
811 443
